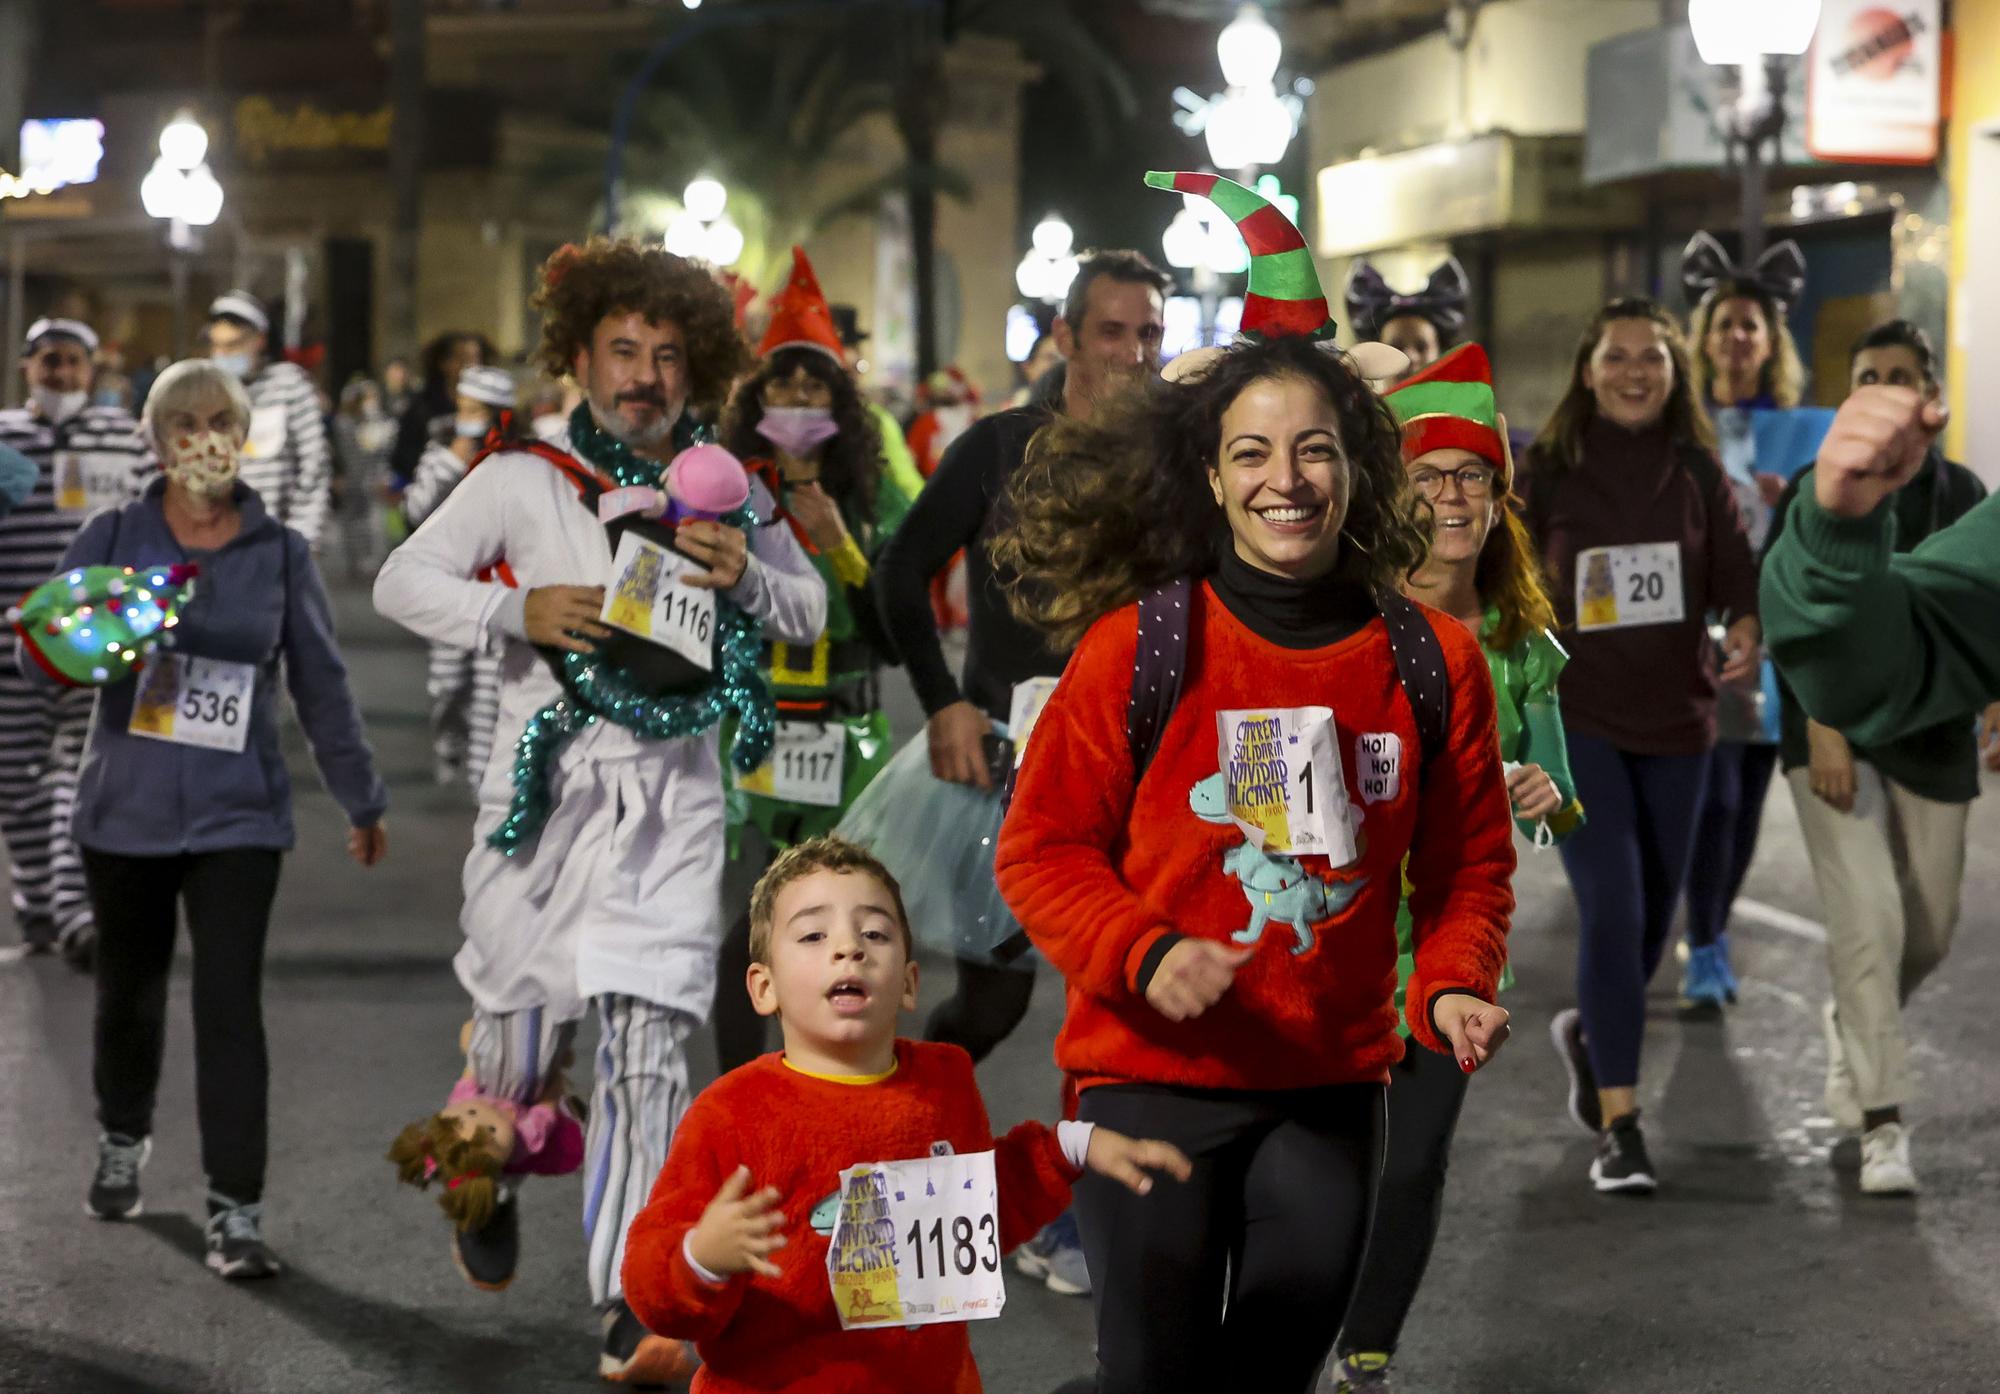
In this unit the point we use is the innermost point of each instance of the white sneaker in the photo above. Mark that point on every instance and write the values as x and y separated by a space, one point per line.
1885 1161
1841 1099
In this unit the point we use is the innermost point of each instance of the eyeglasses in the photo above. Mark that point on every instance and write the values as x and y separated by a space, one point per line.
1476 481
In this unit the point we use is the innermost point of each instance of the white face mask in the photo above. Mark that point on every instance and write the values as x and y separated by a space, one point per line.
204 462
57 407
470 427
237 365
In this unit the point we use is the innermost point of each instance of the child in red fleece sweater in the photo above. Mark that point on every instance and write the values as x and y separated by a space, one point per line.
742 1271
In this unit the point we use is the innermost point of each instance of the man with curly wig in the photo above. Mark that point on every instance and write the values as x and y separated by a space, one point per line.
612 898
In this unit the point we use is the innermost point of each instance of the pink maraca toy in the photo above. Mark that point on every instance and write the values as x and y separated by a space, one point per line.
705 481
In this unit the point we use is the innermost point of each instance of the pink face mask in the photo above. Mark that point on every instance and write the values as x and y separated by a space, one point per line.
795 430
204 462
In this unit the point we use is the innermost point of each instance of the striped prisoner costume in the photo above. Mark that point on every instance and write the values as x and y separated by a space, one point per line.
463 683
95 459
287 459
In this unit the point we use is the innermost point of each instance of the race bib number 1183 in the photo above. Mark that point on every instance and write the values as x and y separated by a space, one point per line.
916 1243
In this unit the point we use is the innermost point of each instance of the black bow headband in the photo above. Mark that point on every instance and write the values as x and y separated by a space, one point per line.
1780 273
1371 304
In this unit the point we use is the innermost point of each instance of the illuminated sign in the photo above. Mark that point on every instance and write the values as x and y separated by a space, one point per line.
55 154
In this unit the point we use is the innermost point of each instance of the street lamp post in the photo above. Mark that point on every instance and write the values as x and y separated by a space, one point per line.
1750 42
702 228
1249 125
1048 268
1204 243
182 191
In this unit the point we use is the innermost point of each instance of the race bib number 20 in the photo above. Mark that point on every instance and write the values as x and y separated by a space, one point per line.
1623 587
916 1243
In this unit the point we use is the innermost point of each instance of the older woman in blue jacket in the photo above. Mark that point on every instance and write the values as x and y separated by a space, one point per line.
184 798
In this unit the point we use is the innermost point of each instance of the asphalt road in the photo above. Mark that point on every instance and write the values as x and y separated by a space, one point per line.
1759 1266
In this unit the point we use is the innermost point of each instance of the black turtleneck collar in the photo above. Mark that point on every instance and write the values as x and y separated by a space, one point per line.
1291 614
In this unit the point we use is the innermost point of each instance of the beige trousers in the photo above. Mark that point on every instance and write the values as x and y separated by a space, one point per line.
1888 875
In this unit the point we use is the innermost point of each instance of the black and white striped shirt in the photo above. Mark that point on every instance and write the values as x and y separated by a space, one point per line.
287 459
96 459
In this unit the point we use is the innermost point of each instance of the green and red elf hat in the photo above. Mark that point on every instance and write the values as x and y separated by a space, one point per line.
1450 404
1284 300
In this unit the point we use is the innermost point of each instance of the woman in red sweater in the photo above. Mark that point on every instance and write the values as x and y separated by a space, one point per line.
1222 902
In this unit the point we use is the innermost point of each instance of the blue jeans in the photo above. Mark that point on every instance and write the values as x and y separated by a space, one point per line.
1627 865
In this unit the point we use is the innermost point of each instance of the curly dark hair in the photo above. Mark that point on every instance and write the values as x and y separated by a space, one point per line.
850 463
581 285
1107 509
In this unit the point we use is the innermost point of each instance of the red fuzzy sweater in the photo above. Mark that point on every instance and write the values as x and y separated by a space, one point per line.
1098 872
798 1132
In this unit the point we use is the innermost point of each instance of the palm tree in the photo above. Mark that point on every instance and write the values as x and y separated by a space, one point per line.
828 70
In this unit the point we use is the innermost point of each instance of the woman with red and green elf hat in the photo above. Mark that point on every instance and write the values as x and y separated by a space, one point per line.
1483 572
1230 982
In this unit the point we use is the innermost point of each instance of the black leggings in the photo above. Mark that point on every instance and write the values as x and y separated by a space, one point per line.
1230 1280
228 897
988 1004
1425 1092
1725 840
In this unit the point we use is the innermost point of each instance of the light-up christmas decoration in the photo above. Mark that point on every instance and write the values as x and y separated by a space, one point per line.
97 625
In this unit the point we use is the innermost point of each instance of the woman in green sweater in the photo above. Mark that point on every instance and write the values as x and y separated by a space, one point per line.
1482 571
1885 822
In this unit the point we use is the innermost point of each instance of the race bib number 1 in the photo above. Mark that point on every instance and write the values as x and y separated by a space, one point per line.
1623 587
646 598
916 1243
194 701
1283 778
808 765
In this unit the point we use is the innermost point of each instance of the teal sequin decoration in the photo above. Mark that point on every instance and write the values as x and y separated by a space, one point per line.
594 689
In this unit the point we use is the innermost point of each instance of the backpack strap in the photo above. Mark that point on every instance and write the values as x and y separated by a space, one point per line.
1420 668
1166 620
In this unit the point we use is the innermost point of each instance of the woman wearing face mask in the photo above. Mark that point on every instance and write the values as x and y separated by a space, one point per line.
184 800
1482 571
1747 371
363 434
463 684
800 421
1642 538
1211 820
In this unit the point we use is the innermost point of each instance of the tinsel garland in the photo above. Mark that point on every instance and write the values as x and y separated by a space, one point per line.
595 689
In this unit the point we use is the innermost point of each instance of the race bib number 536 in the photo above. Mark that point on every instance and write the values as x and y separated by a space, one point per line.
195 701
917 1242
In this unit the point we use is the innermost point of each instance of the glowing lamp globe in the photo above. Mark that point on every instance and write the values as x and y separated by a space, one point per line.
1730 32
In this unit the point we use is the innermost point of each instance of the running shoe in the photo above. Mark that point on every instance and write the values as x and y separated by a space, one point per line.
1728 966
114 1190
1705 982
1363 1372
1056 1257
1567 1033
635 1356
486 1257
1621 1166
1842 1099
1885 1161
236 1248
